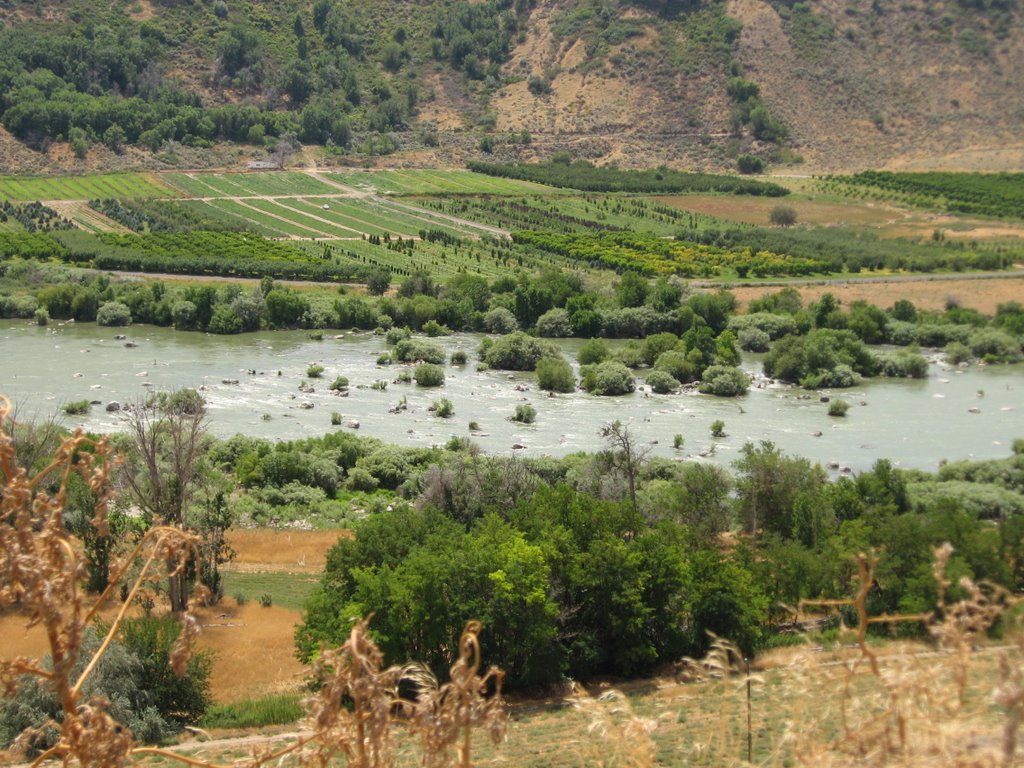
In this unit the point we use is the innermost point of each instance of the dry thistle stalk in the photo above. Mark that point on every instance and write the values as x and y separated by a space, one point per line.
40 570
915 715
615 735
445 716
352 711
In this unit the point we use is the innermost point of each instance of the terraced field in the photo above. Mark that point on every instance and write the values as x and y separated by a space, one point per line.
260 184
119 185
437 182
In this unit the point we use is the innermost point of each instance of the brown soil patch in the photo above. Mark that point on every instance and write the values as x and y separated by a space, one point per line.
754 210
982 295
262 549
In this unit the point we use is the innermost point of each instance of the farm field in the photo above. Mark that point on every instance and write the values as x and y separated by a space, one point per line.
886 219
984 295
275 184
437 182
120 185
571 213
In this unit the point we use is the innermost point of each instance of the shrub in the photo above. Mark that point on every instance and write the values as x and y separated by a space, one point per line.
775 325
718 428
661 382
241 598
179 699
593 351
418 350
838 408
474 426
336 419
518 352
396 335
314 371
724 381
749 164
957 352
458 357
995 346
433 328
114 313
444 408
266 600
76 407
840 377
678 365
500 320
754 340
429 375
608 378
554 374
42 317
677 441
384 359
902 364
340 384
554 324
525 414
360 479
783 216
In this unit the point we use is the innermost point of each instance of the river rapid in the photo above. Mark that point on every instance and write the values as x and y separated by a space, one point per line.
956 413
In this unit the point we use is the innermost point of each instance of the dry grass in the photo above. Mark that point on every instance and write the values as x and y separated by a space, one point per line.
755 210
254 647
983 295
268 550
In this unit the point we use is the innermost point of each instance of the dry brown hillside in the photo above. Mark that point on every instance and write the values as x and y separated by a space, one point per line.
920 85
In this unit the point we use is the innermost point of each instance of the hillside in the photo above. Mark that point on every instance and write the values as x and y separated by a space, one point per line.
844 85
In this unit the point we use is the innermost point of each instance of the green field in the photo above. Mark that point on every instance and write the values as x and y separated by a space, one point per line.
999 195
120 185
573 213
272 183
343 218
437 182
287 590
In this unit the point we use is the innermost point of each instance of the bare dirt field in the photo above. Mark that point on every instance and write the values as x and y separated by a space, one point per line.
984 295
755 210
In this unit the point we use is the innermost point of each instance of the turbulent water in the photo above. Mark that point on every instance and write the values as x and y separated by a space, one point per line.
953 414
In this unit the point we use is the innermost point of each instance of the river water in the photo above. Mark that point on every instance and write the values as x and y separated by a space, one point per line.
955 413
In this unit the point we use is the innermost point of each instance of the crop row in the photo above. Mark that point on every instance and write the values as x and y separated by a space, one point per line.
999 195
271 183
436 182
652 255
122 185
571 213
309 218
851 251
590 178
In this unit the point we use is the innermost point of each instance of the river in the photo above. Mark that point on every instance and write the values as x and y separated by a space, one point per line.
956 413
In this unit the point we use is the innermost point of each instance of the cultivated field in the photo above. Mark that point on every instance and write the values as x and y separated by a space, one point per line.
120 185
436 182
